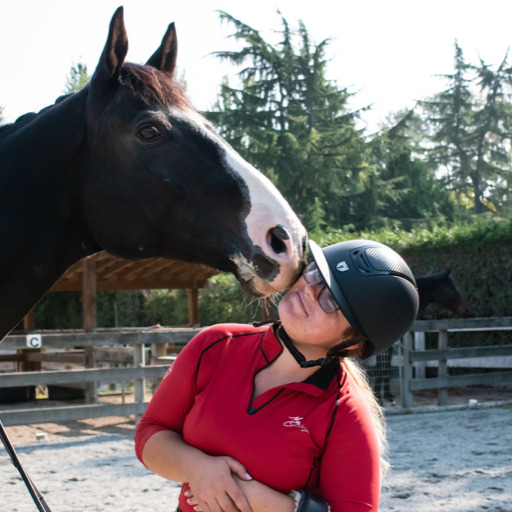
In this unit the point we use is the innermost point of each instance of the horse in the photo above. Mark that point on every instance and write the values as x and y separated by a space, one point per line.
436 288
127 165
440 289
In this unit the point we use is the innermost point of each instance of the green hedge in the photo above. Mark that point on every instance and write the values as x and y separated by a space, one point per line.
479 255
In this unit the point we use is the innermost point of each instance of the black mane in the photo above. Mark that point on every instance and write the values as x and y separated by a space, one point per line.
27 118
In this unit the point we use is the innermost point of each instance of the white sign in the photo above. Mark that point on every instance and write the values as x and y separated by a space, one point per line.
34 340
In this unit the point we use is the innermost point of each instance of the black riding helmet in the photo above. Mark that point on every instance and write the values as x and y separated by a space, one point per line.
374 288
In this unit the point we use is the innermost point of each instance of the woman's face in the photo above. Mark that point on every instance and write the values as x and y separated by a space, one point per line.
304 320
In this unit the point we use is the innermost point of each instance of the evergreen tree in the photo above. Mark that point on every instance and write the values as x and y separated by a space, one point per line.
470 132
1 114
77 78
492 136
404 189
291 122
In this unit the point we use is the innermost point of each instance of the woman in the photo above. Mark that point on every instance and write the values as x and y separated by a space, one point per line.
277 418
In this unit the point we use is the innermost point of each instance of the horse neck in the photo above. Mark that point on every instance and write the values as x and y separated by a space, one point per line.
40 227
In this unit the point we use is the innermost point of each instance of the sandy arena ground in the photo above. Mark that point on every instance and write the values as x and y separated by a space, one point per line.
451 460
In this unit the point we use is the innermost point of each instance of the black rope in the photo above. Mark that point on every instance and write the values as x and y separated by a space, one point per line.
32 489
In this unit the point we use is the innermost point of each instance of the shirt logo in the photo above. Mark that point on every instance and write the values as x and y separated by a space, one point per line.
296 422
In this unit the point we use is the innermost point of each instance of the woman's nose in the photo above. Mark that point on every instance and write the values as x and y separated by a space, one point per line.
313 291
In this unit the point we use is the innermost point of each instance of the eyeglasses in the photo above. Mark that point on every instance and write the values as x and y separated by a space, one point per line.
325 299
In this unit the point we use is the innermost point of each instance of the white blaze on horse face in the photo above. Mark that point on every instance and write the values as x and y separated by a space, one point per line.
270 213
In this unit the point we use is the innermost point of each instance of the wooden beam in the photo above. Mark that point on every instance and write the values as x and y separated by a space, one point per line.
89 294
119 274
193 307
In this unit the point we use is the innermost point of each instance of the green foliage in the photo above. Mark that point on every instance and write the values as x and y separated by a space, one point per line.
470 133
1 115
121 308
224 301
63 310
483 229
165 307
60 310
77 78
404 191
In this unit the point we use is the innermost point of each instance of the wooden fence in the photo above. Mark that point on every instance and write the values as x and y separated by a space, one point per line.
444 355
148 349
28 348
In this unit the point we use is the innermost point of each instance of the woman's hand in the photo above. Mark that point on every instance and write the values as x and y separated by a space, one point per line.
214 487
260 497
212 479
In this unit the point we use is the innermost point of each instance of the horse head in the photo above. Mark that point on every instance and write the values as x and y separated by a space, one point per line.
160 181
440 288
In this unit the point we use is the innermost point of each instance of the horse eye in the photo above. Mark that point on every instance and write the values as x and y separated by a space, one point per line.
149 132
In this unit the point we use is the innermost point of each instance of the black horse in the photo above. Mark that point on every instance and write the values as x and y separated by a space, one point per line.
440 289
127 165
435 288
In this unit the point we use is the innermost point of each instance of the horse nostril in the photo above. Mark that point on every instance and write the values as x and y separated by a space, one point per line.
277 237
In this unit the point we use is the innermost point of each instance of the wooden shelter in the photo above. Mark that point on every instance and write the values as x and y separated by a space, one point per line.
102 271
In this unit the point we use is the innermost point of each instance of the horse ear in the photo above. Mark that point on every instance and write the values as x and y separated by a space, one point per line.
109 65
164 59
115 49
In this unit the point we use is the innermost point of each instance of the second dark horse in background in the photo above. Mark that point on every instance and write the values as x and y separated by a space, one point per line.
436 288
440 289
129 166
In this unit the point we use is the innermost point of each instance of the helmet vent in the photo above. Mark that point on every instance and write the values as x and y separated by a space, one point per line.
385 260
362 262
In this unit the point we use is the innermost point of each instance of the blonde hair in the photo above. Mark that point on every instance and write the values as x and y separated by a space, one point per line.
358 373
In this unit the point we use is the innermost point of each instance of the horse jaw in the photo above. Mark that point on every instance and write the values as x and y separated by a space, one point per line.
277 236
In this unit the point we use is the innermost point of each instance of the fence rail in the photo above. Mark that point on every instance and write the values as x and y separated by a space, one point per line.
112 345
106 344
443 355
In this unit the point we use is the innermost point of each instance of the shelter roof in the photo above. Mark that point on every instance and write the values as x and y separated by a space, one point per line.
119 274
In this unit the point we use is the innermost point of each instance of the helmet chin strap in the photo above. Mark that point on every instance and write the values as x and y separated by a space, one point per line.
339 350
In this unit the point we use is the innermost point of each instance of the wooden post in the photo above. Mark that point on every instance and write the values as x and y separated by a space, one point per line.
29 320
89 294
139 360
193 307
405 392
89 320
24 365
157 350
442 373
419 345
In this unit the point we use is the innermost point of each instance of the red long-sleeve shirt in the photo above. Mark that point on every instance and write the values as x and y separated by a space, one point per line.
317 434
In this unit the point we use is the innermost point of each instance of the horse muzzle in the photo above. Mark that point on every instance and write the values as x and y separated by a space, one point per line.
272 266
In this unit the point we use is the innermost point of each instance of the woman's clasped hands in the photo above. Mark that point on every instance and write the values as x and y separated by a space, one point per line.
215 486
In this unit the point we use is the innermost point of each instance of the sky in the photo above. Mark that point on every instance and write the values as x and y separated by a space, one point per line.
389 53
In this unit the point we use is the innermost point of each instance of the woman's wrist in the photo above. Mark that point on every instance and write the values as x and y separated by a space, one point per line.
263 498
